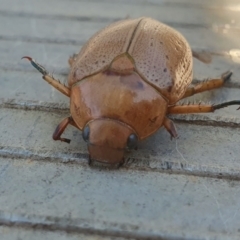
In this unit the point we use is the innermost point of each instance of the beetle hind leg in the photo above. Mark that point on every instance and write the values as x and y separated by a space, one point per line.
50 79
60 129
208 85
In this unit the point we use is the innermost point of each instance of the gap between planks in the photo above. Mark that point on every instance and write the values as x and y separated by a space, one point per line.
101 19
131 163
80 43
30 105
49 223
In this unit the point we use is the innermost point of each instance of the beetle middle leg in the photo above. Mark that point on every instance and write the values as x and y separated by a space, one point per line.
208 85
61 127
72 59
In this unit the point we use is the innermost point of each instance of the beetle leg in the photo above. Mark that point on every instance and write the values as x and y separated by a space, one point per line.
55 83
185 109
202 56
120 164
169 125
208 85
61 127
72 59
89 160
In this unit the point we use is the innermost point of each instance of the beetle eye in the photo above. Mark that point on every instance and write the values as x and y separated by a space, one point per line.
132 141
85 133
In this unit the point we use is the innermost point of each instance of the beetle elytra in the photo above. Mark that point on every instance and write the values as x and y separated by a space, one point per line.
125 81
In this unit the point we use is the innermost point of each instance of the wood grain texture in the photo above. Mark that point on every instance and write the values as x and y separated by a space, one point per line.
167 189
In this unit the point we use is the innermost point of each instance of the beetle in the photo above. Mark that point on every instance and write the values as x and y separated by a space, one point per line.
124 83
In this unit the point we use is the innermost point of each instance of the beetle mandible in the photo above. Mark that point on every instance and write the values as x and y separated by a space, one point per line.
125 81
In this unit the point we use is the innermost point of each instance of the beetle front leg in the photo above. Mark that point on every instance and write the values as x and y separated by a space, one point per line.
169 125
60 129
55 83
208 85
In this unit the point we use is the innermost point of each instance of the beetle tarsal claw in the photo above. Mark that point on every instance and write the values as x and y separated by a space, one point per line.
226 104
36 65
47 77
169 125
226 76
66 140
89 160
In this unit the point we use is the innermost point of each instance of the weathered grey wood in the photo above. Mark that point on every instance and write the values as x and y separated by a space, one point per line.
58 31
194 153
49 186
53 55
29 86
9 233
114 202
27 90
54 58
114 10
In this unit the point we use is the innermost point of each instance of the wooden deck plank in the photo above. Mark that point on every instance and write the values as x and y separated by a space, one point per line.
58 31
48 191
27 90
118 10
197 144
113 203
10 233
54 57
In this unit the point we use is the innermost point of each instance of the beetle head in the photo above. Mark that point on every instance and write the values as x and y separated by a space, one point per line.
108 140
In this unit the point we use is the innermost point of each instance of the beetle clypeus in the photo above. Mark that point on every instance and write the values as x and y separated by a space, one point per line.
123 84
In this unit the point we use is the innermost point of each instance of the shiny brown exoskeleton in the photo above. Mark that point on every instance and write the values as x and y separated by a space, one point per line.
125 81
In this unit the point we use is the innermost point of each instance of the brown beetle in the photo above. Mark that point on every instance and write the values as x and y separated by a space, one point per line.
123 84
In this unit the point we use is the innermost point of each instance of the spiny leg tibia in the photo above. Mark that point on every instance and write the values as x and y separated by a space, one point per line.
61 127
208 85
55 83
198 108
